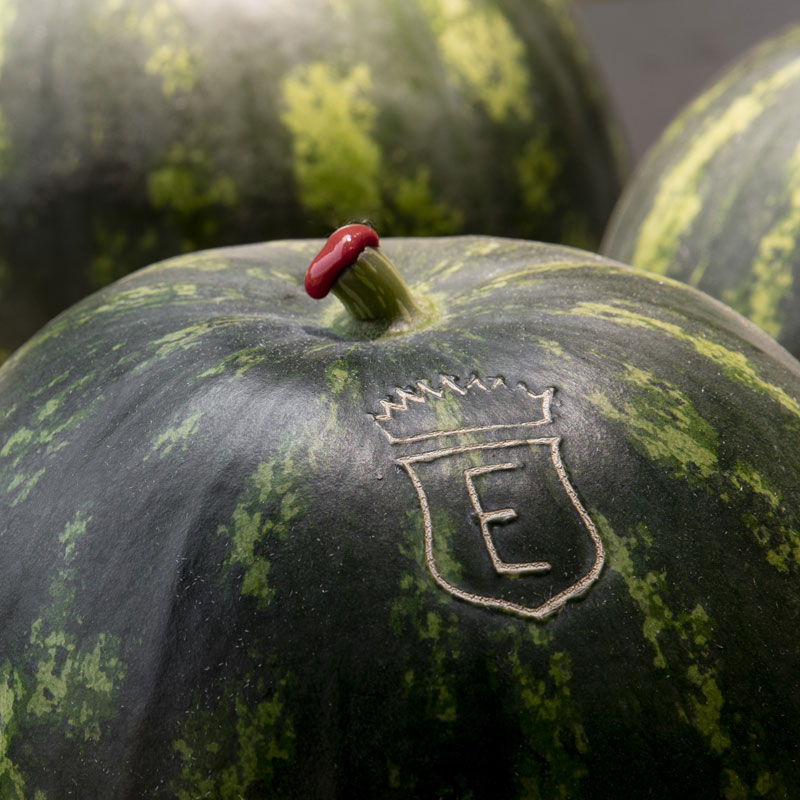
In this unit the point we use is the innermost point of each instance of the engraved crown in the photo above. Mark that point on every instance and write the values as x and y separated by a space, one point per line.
449 409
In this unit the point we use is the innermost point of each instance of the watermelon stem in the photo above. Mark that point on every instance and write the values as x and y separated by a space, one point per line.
372 289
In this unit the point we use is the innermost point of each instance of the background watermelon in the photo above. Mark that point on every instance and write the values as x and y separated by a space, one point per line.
716 201
131 130
214 580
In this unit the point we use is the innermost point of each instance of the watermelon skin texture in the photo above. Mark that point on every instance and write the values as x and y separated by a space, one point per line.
215 580
132 131
716 201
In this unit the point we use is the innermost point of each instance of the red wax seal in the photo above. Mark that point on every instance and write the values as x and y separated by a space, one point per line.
342 249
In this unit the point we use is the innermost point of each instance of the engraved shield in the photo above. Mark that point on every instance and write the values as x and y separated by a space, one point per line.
503 526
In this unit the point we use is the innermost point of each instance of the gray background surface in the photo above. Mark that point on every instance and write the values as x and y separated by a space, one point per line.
656 55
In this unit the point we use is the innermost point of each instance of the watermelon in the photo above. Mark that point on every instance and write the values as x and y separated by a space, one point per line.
533 533
133 130
716 201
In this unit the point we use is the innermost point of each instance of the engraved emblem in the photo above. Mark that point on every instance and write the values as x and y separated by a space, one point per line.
487 470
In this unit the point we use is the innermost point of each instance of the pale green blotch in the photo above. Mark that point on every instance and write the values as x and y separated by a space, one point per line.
47 438
261 274
705 712
72 533
341 380
54 403
335 161
199 262
734 364
771 276
110 247
678 199
261 736
552 728
482 51
413 198
17 442
12 781
26 485
746 475
184 185
703 707
129 299
528 274
184 339
62 685
337 376
644 590
538 170
74 685
268 506
437 626
178 435
160 27
661 422
238 363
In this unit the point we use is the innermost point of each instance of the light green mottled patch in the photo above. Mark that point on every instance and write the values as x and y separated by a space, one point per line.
175 436
705 711
16 442
775 531
197 262
526 274
678 199
337 376
25 486
35 444
746 475
63 681
75 684
422 609
702 705
335 161
771 276
270 503
185 185
554 348
227 751
661 422
735 365
72 533
483 52
110 246
341 380
127 301
160 27
51 407
184 339
732 786
538 169
12 781
261 274
413 199
551 726
238 363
